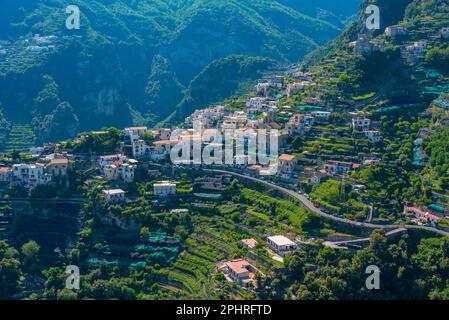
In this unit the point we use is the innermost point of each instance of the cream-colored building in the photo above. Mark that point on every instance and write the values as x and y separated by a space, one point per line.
164 189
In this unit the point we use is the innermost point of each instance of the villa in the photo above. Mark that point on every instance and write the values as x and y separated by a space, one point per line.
283 246
239 270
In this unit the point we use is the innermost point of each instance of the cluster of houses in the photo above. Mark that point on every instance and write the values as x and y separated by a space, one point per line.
118 167
243 272
413 52
431 216
31 175
363 125
40 43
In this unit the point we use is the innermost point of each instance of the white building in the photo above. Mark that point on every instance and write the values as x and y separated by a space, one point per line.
256 102
114 195
140 148
29 175
135 132
283 246
415 52
361 124
164 189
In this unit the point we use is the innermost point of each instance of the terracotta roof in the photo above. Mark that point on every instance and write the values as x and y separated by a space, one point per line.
59 161
287 157
250 242
238 266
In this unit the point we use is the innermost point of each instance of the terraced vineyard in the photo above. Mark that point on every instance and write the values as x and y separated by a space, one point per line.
20 138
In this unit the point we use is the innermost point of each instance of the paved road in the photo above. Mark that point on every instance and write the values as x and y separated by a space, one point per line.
306 202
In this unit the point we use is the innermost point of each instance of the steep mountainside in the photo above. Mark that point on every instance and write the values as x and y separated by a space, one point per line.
132 61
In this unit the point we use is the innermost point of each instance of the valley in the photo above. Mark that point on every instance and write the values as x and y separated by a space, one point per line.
146 207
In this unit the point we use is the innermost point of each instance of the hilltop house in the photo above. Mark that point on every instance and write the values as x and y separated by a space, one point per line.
362 45
135 132
240 271
114 195
395 31
283 246
164 189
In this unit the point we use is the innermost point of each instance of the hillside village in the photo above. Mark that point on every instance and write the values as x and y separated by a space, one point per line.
334 148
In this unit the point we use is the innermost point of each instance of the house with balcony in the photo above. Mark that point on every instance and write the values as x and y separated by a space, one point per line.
283 246
164 189
29 175
361 124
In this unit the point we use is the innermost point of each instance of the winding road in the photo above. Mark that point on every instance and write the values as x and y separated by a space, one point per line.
309 205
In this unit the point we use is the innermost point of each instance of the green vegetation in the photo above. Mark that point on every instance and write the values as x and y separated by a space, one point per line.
408 271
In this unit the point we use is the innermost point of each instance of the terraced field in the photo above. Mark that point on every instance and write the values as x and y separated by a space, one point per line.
20 138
